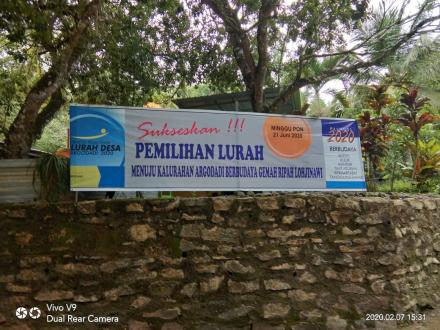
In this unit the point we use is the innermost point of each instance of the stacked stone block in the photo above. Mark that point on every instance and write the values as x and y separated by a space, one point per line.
280 261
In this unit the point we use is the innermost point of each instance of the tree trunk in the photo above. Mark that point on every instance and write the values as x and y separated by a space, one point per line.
20 135
23 131
46 115
416 158
257 99
393 176
371 177
253 72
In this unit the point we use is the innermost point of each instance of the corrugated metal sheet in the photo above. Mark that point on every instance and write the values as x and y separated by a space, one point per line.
16 180
236 102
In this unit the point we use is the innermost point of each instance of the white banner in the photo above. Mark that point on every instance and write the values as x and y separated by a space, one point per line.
115 148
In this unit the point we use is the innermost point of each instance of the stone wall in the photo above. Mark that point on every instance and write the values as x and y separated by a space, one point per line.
290 261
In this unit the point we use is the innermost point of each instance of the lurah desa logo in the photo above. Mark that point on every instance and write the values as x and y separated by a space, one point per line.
95 133
94 144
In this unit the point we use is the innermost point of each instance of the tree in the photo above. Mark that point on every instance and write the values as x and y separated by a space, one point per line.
58 31
145 49
16 79
130 52
315 31
418 65
120 51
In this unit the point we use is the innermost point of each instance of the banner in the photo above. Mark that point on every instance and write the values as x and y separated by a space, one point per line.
116 148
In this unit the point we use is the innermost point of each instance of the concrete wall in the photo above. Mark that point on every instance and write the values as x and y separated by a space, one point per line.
293 261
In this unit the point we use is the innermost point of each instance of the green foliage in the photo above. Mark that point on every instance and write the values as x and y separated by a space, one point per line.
16 78
374 126
428 162
118 67
134 51
418 65
413 119
199 90
342 99
39 29
52 175
412 106
144 49
400 186
305 42
385 20
409 133
374 136
53 34
55 133
138 51
378 97
318 108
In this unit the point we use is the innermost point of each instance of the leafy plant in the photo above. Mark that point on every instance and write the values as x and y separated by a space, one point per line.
52 174
414 120
428 162
374 136
396 155
400 186
378 97
412 104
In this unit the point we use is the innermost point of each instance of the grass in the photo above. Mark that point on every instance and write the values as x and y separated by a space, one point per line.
408 186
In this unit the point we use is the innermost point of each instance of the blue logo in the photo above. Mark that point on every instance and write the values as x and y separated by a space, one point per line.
97 137
92 137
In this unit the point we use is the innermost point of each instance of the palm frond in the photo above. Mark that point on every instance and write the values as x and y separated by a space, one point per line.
52 175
